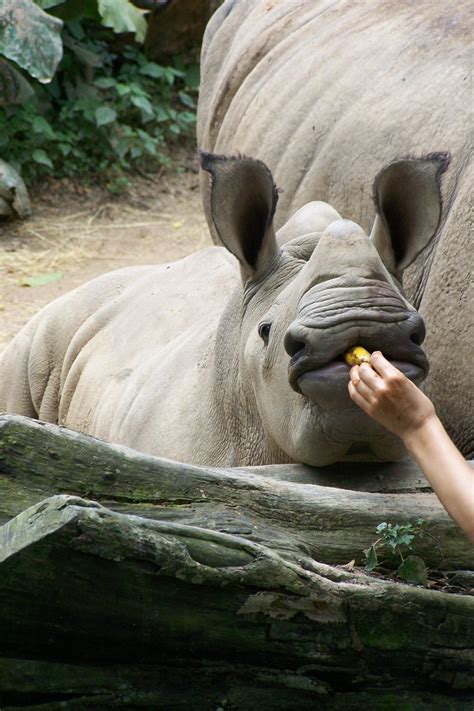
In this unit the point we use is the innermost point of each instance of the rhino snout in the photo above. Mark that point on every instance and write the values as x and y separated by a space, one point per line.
317 368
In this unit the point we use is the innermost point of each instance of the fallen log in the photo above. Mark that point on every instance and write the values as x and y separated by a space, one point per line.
159 614
328 524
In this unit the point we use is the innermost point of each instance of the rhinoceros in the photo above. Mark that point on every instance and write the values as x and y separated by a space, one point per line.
326 93
234 355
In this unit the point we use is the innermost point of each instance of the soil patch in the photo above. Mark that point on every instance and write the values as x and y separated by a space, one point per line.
78 232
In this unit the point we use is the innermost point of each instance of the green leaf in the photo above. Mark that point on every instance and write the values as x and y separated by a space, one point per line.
118 185
151 148
170 74
65 148
161 114
187 117
413 570
45 4
41 126
150 69
31 38
105 82
372 559
83 54
72 11
121 147
187 100
405 539
105 115
39 156
192 76
74 27
142 103
136 88
122 16
122 89
41 279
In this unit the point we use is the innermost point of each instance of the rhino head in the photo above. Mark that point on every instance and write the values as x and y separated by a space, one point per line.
310 293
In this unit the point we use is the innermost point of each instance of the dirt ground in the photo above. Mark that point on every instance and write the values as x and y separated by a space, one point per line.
78 232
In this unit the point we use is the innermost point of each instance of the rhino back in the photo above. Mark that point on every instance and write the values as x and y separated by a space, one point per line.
118 357
326 93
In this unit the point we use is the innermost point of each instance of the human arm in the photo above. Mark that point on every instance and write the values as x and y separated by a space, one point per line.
385 394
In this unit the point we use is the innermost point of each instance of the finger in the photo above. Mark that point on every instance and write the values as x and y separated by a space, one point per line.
364 390
369 376
354 374
382 366
358 398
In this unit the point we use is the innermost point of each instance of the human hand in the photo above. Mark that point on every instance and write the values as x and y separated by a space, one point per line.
384 393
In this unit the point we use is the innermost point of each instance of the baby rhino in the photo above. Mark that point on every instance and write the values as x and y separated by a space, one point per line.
234 355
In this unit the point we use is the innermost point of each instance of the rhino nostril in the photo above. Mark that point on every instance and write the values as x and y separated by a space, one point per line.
293 345
416 330
298 346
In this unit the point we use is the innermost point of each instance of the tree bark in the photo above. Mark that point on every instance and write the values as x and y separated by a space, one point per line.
211 588
177 28
183 614
329 524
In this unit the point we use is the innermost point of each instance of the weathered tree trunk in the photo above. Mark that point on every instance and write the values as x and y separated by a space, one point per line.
215 595
177 28
291 515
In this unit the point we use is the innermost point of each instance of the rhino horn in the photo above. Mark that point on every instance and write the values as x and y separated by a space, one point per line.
408 203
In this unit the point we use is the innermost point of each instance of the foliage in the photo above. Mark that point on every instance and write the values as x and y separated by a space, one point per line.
105 111
30 37
41 279
397 538
122 16
107 108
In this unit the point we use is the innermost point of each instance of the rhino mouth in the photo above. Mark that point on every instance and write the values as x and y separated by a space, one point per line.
328 381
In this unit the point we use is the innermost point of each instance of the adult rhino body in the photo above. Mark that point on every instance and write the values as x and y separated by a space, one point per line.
326 93
204 362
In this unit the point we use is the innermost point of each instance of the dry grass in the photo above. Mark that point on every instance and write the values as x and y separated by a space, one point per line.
82 232
49 245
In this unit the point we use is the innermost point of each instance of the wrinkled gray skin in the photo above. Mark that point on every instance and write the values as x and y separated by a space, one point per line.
206 362
326 93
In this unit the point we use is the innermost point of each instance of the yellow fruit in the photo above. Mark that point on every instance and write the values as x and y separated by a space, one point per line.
356 356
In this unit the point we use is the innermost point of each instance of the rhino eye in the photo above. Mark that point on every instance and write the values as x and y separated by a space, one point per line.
264 331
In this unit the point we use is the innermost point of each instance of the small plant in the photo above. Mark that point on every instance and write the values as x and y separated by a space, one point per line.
102 115
100 108
398 538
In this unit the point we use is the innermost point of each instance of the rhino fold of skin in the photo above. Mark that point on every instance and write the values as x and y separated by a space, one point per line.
326 93
233 356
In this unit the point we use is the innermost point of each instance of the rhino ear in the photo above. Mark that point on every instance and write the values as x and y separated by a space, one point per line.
408 203
242 204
